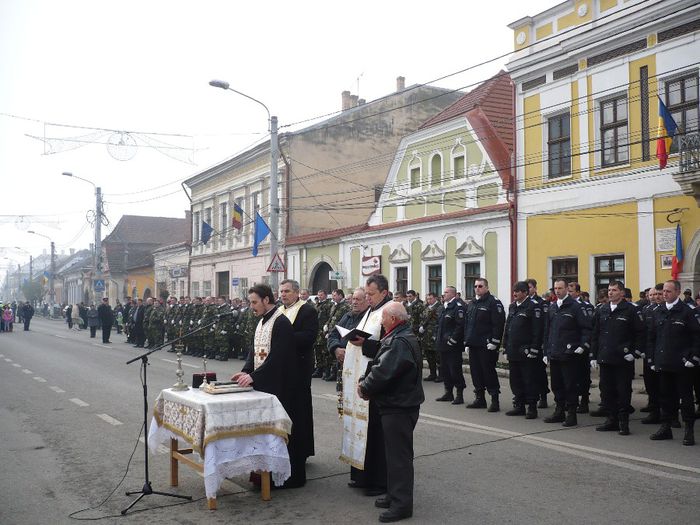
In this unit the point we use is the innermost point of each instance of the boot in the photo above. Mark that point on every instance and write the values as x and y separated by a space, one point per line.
494 406
647 408
664 432
624 425
531 411
675 422
570 418
459 398
447 396
479 401
318 372
518 410
439 378
610 424
583 406
328 375
599 412
557 416
689 437
431 376
543 402
653 417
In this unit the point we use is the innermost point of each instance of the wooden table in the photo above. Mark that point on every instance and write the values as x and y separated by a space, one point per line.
224 430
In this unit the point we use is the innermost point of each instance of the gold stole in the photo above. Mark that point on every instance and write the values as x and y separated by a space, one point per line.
263 339
292 311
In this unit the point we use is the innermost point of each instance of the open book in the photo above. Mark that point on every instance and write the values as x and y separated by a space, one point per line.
352 334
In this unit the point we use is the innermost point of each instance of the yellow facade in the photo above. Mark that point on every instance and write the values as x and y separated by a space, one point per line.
690 224
141 279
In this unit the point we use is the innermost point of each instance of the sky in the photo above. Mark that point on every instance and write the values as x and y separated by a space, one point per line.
75 74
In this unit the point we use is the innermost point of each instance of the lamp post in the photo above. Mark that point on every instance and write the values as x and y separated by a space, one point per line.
52 291
97 266
274 198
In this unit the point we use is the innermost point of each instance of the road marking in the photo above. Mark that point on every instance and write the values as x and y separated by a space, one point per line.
162 449
98 344
16 364
109 419
79 402
27 371
60 336
39 379
7 359
175 362
58 390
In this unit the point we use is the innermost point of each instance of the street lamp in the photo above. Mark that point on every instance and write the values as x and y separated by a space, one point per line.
274 199
97 267
52 291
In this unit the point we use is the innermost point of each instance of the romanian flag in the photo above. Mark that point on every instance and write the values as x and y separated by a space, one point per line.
677 261
664 134
237 217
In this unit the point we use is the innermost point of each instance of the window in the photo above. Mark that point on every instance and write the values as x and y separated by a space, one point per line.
608 268
224 226
401 280
458 167
222 283
206 288
256 202
566 269
195 227
195 289
239 202
472 271
207 216
682 103
415 178
613 131
559 146
435 279
435 171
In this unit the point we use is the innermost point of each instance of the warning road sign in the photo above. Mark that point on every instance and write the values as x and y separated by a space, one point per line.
276 265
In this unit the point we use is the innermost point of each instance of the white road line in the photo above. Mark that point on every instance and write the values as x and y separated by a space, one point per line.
7 359
175 362
27 371
16 364
60 336
109 419
103 346
79 402
58 390
39 379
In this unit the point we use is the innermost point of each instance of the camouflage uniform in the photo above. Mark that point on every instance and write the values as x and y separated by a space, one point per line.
428 325
249 323
323 362
147 321
337 313
155 325
415 312
169 321
222 332
208 317
195 340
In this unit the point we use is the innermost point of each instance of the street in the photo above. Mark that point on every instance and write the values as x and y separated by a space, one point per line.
71 413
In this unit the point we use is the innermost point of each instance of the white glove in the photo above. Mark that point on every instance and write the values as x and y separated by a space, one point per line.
325 327
199 322
545 360
491 346
421 330
191 322
172 322
689 364
594 364
180 323
629 358
531 355
466 349
223 332
578 351
214 326
653 367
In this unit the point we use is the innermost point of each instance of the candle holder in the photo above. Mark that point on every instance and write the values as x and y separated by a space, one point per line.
180 385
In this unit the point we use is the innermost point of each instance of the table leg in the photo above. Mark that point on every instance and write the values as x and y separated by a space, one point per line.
211 503
265 486
173 463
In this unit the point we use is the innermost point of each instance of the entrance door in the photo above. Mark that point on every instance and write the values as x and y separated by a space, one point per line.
320 280
222 284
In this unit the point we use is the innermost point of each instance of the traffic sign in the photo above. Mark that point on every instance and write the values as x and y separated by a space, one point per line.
235 281
99 285
276 265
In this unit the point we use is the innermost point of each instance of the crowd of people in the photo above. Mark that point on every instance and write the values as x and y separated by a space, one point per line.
21 312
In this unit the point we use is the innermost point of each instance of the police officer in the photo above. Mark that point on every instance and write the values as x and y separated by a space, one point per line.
522 343
450 331
674 348
427 330
617 338
566 342
584 365
542 379
651 377
483 332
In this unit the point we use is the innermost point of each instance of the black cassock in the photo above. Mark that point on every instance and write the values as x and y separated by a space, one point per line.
284 373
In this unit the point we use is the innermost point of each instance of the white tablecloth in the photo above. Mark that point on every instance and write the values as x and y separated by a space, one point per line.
238 433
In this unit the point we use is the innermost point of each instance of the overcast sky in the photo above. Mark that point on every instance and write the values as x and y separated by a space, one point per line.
143 66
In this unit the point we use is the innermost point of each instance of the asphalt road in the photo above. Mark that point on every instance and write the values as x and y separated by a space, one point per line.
70 419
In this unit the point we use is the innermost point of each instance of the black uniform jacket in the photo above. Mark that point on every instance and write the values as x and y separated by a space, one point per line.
617 333
674 337
394 381
450 328
484 322
523 332
566 328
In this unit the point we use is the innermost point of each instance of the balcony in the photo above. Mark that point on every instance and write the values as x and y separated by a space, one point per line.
688 175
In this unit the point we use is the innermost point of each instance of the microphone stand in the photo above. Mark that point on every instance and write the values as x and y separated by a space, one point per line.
147 488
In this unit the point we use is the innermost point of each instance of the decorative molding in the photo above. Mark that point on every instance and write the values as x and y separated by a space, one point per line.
399 255
432 253
469 249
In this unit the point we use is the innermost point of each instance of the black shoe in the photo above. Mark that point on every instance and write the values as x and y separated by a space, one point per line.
624 425
374 491
518 410
459 398
531 411
447 396
317 373
600 412
394 515
494 406
543 402
689 437
479 402
439 379
224 358
647 408
652 419
557 416
610 424
383 502
664 432
570 418
356 485
583 407
430 377
332 375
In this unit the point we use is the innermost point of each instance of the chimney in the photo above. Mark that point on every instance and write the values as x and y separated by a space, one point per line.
400 83
347 103
361 102
353 101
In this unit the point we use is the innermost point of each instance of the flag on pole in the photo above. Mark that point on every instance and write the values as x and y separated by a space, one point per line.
261 231
237 217
677 261
664 134
206 232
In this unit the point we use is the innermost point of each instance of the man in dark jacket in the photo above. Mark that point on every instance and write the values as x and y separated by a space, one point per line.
106 317
522 342
617 338
450 330
673 346
566 335
27 314
483 331
394 382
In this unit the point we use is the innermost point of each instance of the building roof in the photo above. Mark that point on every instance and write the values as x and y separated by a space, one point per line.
494 97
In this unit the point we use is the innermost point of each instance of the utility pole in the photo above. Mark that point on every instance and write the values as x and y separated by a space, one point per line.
274 200
52 291
31 274
98 237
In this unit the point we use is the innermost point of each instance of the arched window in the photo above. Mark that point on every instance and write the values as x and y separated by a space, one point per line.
436 170
459 160
415 172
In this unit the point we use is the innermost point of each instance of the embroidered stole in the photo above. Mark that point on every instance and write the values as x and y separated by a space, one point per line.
292 311
263 339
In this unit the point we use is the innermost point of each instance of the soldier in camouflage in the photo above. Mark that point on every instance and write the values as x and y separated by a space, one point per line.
427 329
414 307
208 317
194 338
170 328
223 329
323 364
156 324
338 310
147 319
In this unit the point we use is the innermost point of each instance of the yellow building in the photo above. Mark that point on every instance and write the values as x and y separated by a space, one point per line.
593 203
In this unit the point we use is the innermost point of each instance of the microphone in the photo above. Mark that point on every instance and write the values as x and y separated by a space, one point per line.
233 313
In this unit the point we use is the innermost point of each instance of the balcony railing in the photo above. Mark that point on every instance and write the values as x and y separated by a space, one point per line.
689 146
